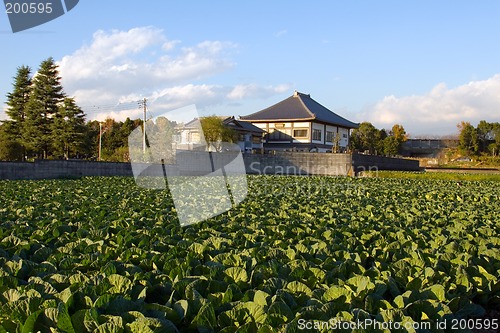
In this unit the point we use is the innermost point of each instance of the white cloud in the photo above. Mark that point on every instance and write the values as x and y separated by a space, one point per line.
441 109
170 45
160 101
243 91
139 59
281 33
123 66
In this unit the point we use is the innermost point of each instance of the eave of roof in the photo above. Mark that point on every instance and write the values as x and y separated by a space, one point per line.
243 125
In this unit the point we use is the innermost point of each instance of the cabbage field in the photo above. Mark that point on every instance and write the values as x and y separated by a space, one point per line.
300 253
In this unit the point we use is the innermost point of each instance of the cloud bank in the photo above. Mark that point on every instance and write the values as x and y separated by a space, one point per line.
124 66
440 110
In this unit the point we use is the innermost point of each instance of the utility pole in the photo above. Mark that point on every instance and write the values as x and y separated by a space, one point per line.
100 141
144 103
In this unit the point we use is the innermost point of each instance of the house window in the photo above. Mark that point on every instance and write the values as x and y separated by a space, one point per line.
329 136
194 137
316 135
241 137
256 139
300 133
344 136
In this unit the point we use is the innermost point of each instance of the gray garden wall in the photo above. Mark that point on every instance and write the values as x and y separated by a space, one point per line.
195 163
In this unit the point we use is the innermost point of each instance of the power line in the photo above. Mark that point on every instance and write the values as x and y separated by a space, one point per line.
101 108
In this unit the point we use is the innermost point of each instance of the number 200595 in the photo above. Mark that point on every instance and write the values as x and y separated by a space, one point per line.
462 324
28 8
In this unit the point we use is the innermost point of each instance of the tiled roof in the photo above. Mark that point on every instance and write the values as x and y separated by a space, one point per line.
299 107
228 121
242 125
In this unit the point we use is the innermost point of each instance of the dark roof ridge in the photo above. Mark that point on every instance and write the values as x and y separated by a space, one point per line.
325 108
299 95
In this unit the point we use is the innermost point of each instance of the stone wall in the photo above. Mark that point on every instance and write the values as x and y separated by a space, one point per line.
295 163
48 169
372 163
200 163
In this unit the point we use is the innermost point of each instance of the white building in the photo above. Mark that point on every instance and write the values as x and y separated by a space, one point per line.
300 123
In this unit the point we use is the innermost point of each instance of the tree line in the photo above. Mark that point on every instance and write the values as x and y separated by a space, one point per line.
481 140
367 138
44 123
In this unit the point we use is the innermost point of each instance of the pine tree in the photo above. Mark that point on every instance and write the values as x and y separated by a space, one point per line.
16 107
68 129
43 104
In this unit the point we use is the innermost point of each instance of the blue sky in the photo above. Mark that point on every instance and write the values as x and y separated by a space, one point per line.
424 64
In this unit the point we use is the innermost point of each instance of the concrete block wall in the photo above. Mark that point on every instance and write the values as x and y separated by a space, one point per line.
49 169
295 163
369 162
200 163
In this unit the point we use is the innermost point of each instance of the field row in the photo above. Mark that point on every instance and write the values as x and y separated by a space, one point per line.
102 255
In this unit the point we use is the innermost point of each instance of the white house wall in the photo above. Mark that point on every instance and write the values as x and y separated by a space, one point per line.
321 127
261 125
344 137
288 127
332 129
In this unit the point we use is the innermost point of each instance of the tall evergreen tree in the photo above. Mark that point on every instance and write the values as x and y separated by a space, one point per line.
43 104
68 129
16 107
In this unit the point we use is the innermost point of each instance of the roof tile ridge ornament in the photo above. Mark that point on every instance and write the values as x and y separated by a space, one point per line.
300 95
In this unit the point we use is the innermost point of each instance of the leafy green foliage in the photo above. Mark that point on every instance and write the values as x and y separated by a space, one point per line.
102 255
459 175
483 139
368 138
10 146
216 132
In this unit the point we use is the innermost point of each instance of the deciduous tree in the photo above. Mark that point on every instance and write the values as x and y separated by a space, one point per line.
216 132
365 138
10 149
468 141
